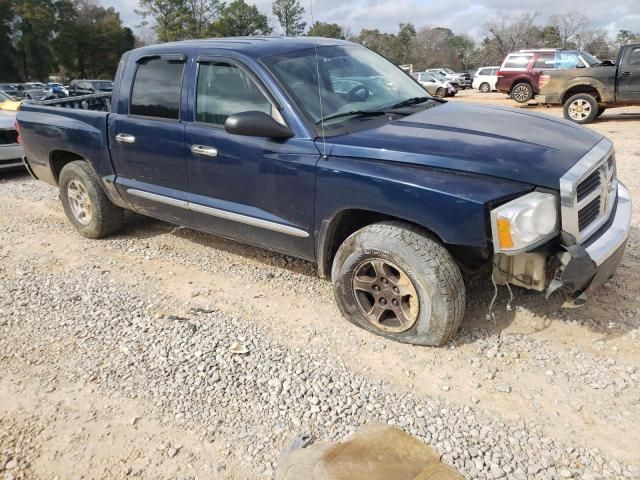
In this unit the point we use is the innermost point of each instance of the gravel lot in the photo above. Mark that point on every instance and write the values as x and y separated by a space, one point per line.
116 357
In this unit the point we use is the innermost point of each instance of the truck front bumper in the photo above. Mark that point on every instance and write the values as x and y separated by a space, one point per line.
589 265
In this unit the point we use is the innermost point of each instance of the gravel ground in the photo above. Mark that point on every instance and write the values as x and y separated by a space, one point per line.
123 357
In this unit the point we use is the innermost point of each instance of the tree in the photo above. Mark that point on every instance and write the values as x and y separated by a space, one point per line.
626 36
35 22
507 34
327 30
198 16
239 19
463 47
551 37
8 58
166 16
289 14
571 26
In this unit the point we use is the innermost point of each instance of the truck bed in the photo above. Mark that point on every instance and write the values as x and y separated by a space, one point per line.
52 128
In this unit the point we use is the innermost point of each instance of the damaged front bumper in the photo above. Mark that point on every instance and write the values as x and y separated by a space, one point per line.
583 267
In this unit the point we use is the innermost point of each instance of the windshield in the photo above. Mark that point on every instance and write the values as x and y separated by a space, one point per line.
352 78
439 76
5 96
590 59
448 70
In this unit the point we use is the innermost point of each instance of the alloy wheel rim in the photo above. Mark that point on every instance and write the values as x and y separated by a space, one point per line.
579 109
80 202
521 93
385 295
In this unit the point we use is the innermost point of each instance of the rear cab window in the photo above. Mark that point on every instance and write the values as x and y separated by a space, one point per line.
157 88
546 61
517 61
634 57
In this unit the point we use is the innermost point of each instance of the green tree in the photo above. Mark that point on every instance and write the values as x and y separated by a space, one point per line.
166 18
35 22
326 30
289 14
198 15
240 19
551 37
8 58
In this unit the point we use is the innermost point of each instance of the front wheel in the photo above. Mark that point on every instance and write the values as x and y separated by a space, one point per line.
581 108
522 92
441 92
394 280
86 205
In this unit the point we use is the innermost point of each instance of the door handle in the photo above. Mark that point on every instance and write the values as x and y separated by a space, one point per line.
125 138
626 73
204 150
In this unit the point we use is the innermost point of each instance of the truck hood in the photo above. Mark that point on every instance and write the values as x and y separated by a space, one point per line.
497 141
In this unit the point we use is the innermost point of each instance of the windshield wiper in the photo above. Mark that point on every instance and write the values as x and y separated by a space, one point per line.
352 112
410 101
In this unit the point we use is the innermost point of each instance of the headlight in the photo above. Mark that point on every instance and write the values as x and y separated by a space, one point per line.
524 222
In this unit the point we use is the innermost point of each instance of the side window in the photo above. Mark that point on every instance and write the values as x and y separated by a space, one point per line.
634 56
483 71
567 60
494 71
517 61
156 89
223 90
546 61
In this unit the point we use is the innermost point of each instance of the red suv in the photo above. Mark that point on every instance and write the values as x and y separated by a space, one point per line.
520 71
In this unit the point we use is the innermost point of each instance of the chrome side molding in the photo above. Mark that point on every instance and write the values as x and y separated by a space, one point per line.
224 214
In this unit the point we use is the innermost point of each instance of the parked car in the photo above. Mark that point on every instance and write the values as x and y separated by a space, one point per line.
13 89
10 150
452 88
84 87
586 93
58 89
520 71
34 86
434 86
442 74
392 193
485 79
7 102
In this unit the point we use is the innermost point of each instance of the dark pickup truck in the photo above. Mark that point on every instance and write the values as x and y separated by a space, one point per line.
586 93
394 194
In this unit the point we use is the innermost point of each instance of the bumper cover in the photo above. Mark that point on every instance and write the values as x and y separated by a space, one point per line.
591 264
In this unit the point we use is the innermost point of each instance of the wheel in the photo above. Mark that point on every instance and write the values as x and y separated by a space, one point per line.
581 108
600 111
441 92
522 92
485 87
85 203
394 280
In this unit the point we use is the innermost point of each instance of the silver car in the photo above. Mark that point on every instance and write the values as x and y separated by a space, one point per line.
10 149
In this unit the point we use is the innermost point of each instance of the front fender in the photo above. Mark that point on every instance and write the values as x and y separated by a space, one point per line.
606 92
452 204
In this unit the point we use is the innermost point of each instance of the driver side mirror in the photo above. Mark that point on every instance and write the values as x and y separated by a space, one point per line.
256 124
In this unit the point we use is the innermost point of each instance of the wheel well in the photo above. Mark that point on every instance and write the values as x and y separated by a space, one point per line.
336 231
581 89
59 158
519 81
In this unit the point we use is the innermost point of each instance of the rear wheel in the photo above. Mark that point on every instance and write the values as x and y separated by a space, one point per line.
393 280
522 92
484 87
581 108
441 92
86 205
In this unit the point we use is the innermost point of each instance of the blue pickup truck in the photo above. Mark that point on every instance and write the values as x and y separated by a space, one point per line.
323 150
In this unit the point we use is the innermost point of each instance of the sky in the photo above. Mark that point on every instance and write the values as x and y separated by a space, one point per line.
460 16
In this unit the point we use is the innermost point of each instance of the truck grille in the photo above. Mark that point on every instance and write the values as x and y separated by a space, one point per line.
8 137
588 192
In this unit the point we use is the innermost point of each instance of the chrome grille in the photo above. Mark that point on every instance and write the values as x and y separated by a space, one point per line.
588 192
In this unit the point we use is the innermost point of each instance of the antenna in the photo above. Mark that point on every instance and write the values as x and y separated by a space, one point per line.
315 42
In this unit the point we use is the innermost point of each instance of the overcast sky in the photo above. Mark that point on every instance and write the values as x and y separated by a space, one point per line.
460 16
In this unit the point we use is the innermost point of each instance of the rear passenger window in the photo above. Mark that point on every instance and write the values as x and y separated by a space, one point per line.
223 90
517 61
634 58
546 61
156 89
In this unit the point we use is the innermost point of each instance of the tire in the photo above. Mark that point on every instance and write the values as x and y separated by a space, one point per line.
581 108
522 92
86 205
601 110
441 92
485 87
389 255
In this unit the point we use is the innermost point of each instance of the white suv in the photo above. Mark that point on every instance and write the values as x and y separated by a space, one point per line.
485 79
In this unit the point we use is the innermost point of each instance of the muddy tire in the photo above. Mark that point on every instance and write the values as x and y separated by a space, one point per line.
522 92
396 281
581 108
485 87
87 207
